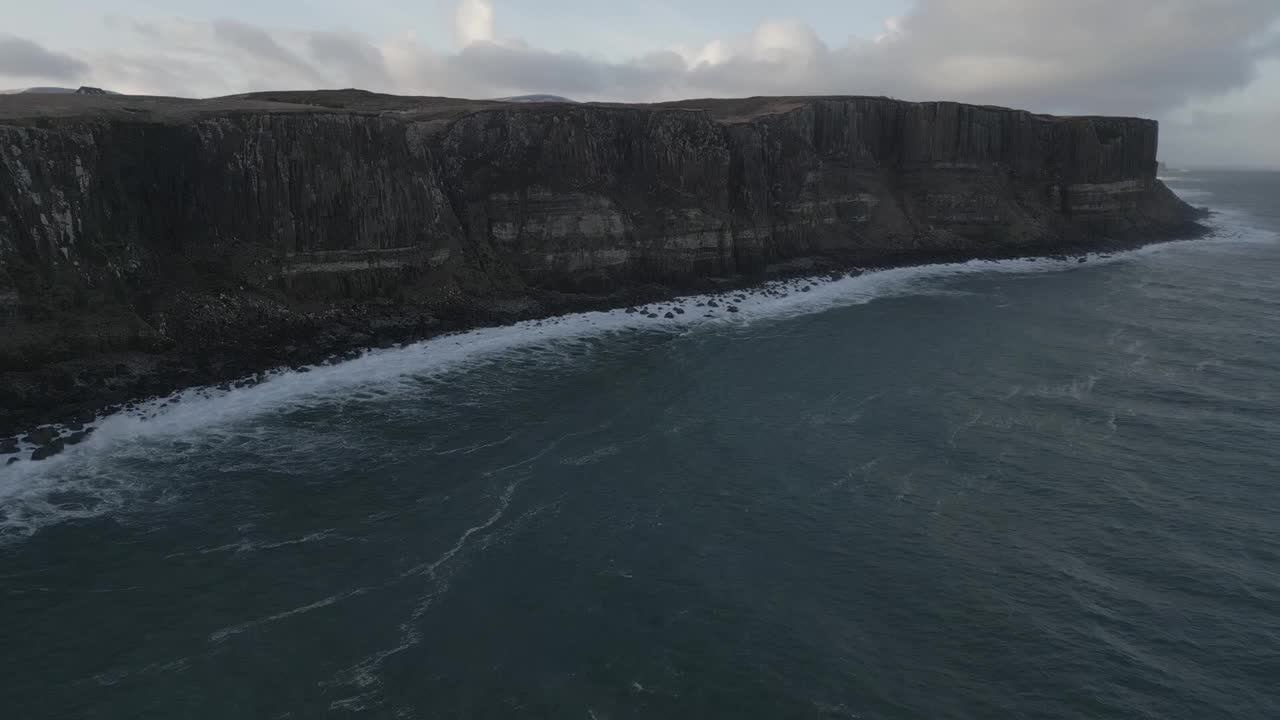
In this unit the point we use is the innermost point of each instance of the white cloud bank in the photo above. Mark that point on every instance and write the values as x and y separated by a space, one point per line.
1136 57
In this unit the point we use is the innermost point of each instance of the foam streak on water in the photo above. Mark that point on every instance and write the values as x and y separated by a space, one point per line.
34 494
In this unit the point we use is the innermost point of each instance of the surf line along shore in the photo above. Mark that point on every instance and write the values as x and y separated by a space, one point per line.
374 373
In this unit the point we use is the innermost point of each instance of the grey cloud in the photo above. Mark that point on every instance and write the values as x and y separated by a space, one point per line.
489 69
1094 55
360 63
1135 57
513 69
147 30
1139 57
1084 56
1272 45
24 59
1223 139
1097 56
164 75
260 46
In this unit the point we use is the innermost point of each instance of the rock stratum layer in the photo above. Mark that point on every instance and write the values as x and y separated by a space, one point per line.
149 243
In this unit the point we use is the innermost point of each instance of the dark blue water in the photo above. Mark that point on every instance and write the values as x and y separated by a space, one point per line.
1028 489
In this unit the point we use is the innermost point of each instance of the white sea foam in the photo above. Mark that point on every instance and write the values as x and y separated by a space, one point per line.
34 494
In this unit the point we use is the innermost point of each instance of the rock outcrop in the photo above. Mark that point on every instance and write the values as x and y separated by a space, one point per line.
147 243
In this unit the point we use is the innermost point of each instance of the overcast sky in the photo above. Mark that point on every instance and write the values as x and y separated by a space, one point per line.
1208 69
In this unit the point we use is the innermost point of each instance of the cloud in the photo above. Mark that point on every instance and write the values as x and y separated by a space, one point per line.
168 75
1211 138
263 50
355 59
473 22
1138 57
1097 56
21 58
1271 45
516 68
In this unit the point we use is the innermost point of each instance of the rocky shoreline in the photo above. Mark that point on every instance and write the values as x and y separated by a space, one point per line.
50 434
152 244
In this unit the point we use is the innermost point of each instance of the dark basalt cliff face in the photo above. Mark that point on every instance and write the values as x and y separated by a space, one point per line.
147 243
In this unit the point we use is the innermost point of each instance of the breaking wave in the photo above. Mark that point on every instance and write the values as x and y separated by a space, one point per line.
88 480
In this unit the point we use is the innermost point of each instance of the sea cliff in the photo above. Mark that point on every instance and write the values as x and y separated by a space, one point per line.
151 243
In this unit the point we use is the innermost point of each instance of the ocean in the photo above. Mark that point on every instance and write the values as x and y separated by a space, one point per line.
1028 488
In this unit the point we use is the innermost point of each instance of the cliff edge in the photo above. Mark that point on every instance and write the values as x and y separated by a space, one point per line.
150 243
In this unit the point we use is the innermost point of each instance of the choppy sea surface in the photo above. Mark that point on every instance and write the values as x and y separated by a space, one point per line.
1041 488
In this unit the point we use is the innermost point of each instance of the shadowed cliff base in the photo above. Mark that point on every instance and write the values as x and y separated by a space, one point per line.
150 243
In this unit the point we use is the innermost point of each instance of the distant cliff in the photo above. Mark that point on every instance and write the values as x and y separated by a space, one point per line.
152 242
